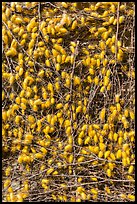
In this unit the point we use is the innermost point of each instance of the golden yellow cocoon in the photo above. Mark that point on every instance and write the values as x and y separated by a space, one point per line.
117 96
102 29
20 159
105 61
57 66
21 71
115 136
100 154
76 80
8 12
87 61
6 183
96 80
67 82
70 139
132 115
124 162
50 87
106 154
81 159
46 181
125 146
106 80
102 54
39 155
70 159
106 126
105 35
43 150
49 171
28 137
87 140
108 172
130 170
57 86
49 118
80 189
108 41
68 130
7 171
52 100
118 107
102 146
47 53
113 39
96 126
55 173
4 115
119 154
119 44
102 114
113 9
57 47
126 113
22 42
12 197
92 29
17 119
59 59
72 59
93 178
122 7
67 97
67 123
121 19
19 197
107 189
31 44
84 127
47 63
55 52
131 197
84 151
41 73
72 49
37 102
73 44
94 191
111 20
68 148
83 196
74 25
59 106
3 95
124 155
103 71
64 4
102 45
80 141
78 109
113 49
94 197
95 138
112 156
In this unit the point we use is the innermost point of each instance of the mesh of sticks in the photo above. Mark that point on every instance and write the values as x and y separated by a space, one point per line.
55 60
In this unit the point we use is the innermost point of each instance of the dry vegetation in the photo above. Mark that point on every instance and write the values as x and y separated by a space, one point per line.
68 101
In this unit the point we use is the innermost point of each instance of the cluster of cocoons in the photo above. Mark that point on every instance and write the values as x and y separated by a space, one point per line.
68 101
